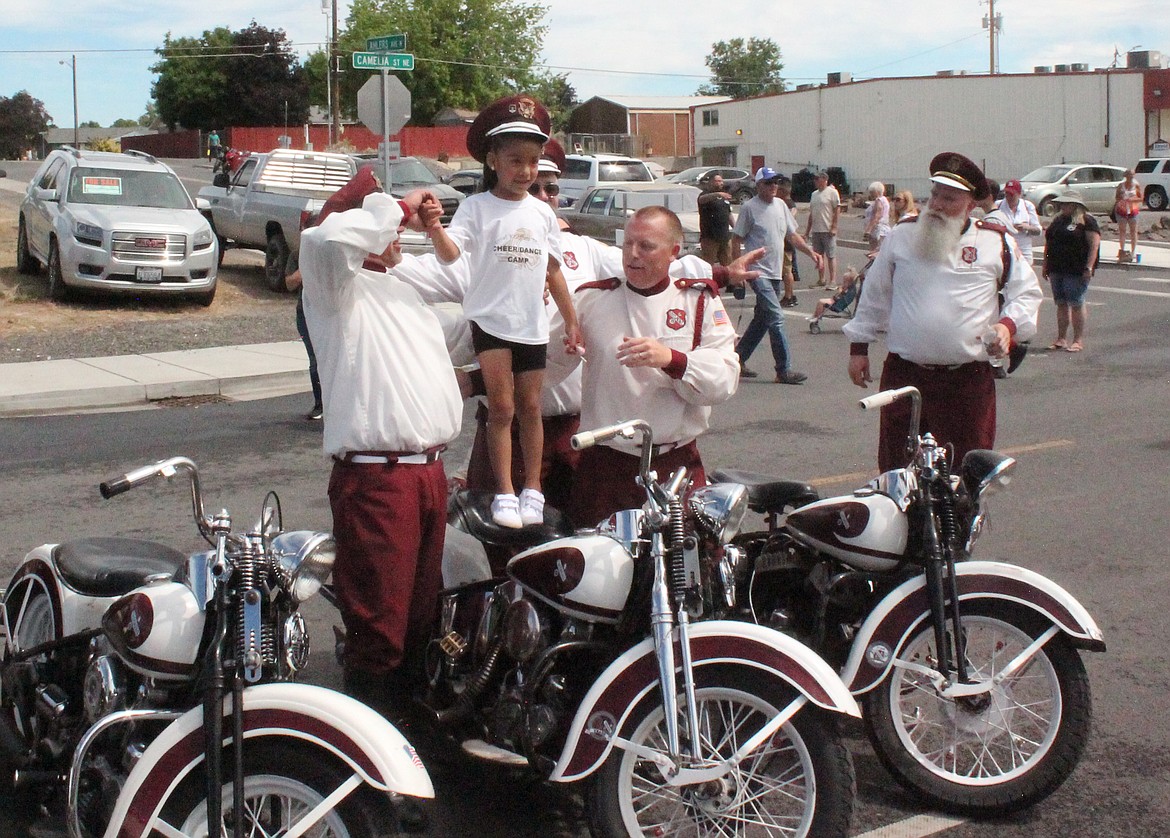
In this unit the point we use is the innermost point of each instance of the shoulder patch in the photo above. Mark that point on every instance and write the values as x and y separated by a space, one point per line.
708 285
602 284
993 226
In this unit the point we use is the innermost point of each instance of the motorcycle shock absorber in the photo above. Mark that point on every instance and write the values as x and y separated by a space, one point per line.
949 532
674 553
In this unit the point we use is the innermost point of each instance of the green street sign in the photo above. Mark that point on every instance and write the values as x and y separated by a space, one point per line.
383 61
386 43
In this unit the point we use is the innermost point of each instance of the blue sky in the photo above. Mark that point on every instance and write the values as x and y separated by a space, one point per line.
655 47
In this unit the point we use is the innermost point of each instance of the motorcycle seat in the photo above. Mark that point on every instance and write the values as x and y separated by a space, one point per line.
470 510
765 493
104 567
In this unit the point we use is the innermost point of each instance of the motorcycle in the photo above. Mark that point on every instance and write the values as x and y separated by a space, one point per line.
143 691
974 692
590 660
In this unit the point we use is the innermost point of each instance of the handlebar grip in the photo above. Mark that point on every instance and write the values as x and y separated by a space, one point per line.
584 439
587 439
117 486
885 397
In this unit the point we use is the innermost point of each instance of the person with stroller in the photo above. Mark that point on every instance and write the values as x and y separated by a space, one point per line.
839 303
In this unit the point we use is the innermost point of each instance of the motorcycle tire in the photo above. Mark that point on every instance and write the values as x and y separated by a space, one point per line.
800 784
282 781
996 753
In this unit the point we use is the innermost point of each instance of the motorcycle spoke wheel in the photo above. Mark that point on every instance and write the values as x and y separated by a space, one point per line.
999 750
799 783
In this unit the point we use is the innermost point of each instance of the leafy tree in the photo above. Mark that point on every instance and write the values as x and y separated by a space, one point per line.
90 123
740 70
248 77
22 119
468 52
150 117
555 92
125 123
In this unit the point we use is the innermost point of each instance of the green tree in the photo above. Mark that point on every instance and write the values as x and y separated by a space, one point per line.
555 92
467 52
125 123
22 119
248 77
740 69
90 123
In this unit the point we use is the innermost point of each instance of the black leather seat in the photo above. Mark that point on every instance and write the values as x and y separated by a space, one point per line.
470 510
766 493
112 566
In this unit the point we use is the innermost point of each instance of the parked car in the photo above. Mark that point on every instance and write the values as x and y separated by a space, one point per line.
604 210
114 222
700 175
1153 173
1096 183
466 181
584 171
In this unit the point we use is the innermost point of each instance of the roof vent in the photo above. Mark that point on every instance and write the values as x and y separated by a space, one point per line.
1080 68
1043 68
1062 68
945 73
839 78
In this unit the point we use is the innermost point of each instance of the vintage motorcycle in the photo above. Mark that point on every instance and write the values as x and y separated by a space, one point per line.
973 688
592 658
143 691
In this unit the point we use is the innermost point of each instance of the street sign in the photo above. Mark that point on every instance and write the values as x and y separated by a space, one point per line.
383 61
386 43
397 105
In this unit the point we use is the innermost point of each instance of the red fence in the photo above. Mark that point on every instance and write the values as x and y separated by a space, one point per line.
416 141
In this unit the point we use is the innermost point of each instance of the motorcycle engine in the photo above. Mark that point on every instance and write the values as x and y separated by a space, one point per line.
104 688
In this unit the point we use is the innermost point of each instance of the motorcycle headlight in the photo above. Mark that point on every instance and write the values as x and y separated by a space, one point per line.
304 560
986 472
720 509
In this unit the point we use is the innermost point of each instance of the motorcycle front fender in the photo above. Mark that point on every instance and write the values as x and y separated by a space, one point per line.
321 718
631 676
888 626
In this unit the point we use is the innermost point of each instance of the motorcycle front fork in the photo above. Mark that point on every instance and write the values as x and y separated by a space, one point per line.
942 584
663 622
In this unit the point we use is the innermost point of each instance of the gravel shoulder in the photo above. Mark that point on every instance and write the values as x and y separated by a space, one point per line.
34 328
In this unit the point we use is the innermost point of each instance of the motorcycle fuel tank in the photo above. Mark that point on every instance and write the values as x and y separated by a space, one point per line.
156 630
864 531
585 576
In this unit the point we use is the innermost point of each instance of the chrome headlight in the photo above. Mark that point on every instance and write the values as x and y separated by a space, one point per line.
304 560
720 508
986 472
203 238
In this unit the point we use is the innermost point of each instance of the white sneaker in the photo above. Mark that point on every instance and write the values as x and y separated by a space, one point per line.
506 511
531 507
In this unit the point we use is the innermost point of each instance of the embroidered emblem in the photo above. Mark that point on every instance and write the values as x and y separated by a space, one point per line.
970 254
719 317
525 107
571 260
676 318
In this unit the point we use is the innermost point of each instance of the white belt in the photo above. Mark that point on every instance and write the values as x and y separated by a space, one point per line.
408 459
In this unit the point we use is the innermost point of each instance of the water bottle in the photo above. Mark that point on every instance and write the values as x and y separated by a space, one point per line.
989 340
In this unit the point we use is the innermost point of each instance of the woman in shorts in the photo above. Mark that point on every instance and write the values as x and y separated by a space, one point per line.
1071 243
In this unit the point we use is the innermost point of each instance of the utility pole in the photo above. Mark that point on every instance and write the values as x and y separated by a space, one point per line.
336 103
328 70
993 23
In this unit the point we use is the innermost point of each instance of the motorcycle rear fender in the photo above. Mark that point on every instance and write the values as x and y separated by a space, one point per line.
888 626
322 718
635 673
72 612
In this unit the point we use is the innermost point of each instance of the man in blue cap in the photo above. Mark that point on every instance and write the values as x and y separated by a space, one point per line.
765 221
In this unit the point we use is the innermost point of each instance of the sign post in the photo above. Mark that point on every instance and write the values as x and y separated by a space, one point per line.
388 108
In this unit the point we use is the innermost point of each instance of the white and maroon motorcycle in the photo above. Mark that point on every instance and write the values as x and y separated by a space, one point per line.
591 660
146 692
969 672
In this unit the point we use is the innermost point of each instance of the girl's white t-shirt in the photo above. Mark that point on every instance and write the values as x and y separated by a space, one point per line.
508 245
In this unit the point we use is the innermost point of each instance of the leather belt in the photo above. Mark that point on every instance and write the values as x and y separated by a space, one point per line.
939 367
383 458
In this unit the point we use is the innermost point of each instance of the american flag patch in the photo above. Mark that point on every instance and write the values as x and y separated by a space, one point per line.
719 316
413 754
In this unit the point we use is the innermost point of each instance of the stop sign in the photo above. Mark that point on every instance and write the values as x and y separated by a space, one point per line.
370 102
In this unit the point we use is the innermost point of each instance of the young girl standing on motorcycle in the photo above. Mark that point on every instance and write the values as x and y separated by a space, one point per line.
511 241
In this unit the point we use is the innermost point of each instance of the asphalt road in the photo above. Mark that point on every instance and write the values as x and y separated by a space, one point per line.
1086 508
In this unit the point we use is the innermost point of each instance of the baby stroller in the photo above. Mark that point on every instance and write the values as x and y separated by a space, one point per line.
844 302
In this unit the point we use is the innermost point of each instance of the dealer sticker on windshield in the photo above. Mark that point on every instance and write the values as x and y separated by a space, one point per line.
101 185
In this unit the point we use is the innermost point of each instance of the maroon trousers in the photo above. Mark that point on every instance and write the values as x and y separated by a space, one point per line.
388 521
558 459
604 482
958 408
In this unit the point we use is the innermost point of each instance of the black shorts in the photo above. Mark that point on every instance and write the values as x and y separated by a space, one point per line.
526 357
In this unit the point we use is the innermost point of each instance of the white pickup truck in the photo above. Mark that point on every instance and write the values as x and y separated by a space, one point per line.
272 197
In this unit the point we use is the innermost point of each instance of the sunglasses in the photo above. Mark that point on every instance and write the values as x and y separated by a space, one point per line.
550 189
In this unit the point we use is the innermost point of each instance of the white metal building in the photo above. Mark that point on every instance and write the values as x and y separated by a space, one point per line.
888 129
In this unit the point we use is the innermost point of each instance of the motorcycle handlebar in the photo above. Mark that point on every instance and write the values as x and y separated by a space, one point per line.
163 468
886 397
587 439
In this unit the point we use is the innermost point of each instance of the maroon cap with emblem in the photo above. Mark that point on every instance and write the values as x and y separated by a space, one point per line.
511 115
553 158
958 172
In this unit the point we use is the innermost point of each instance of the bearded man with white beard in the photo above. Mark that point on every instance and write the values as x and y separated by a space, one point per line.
935 289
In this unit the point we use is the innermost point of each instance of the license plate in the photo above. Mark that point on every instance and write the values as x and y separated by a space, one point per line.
148 274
